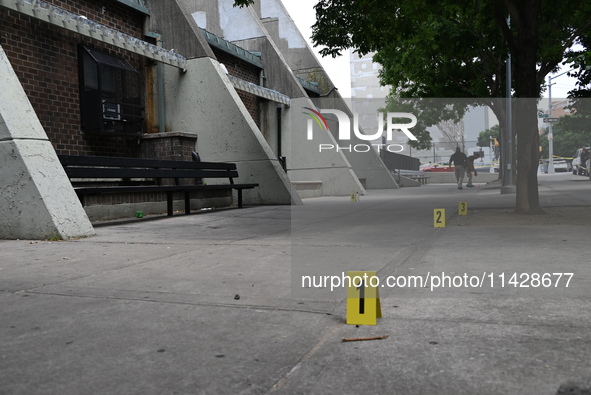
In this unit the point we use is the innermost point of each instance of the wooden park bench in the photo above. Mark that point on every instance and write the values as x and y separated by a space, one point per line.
415 175
92 175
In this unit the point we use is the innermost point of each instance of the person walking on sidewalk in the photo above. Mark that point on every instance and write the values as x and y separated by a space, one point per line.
584 159
460 161
471 168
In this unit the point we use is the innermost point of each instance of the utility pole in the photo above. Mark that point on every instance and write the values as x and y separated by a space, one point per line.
509 128
550 135
507 145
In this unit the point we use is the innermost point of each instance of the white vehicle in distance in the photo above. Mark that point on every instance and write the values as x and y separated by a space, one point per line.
561 165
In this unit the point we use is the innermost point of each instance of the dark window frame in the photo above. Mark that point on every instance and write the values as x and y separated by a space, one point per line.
110 94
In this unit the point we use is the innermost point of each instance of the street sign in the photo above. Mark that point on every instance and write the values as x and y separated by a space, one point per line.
547 120
542 115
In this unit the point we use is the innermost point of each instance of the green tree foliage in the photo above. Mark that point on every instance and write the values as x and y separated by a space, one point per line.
570 133
485 137
578 126
243 3
580 61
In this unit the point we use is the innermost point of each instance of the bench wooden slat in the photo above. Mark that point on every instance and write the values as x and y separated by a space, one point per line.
157 188
109 161
107 172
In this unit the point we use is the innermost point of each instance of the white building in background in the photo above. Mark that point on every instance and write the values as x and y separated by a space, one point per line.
367 95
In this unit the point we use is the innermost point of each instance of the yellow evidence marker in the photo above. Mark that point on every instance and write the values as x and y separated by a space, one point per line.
463 208
363 298
439 218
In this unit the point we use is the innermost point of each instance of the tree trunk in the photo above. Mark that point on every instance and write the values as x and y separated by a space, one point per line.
526 122
525 22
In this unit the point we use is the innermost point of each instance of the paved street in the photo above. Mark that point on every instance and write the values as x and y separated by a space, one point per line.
213 303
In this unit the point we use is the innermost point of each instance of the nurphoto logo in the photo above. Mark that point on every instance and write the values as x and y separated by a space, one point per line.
345 130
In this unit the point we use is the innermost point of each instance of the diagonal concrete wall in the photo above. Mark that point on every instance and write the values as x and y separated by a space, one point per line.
365 162
300 58
202 101
205 103
308 164
37 200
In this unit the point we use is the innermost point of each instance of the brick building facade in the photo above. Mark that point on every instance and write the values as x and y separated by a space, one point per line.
45 58
247 72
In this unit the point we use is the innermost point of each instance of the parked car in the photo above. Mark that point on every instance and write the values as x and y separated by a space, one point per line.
437 167
580 168
561 165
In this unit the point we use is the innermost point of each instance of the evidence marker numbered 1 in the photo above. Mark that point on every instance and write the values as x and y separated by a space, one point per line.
363 298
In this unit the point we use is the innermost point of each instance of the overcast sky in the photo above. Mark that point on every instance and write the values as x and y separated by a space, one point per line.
302 13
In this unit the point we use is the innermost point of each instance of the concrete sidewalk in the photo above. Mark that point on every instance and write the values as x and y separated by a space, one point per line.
213 304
